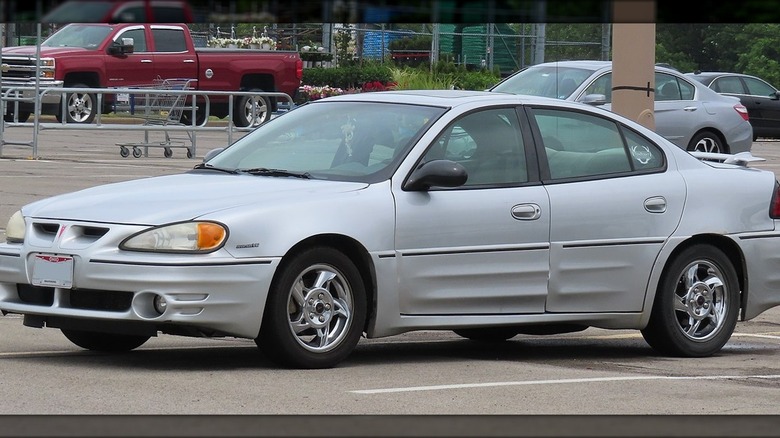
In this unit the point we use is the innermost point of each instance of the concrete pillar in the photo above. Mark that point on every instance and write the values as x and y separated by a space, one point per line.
633 60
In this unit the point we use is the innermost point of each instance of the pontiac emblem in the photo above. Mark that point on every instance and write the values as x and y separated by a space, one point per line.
6 68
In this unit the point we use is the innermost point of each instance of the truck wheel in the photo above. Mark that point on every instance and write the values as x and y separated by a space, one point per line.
186 117
23 116
80 107
242 113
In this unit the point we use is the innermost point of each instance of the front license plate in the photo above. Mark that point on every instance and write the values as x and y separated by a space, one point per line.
52 271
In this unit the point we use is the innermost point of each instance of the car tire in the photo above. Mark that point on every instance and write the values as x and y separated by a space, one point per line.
242 113
707 141
79 107
23 117
109 342
696 305
488 334
316 310
186 117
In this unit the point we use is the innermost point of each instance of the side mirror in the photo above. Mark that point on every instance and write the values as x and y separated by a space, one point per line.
439 173
123 47
775 96
594 99
212 153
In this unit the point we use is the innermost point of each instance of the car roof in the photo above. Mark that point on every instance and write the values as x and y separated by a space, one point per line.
445 98
595 65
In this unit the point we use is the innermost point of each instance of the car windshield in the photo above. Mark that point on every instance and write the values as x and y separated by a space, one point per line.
79 35
346 141
547 81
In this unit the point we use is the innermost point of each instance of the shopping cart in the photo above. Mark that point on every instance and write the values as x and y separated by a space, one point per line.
158 108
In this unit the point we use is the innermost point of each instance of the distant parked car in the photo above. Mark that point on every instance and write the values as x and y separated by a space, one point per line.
761 98
687 113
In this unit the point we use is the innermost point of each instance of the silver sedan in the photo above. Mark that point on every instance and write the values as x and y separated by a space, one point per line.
488 214
686 112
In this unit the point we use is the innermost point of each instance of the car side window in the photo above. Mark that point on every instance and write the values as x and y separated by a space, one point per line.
169 40
579 145
728 84
138 36
644 154
488 144
758 88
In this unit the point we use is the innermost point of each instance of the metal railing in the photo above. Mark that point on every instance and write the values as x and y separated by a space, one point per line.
198 106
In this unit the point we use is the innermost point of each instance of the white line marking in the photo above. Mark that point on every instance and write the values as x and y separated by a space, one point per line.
557 382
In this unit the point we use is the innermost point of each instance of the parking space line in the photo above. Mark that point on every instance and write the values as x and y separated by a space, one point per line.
556 382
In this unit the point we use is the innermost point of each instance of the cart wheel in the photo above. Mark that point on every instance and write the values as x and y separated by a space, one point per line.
124 152
189 153
137 152
167 152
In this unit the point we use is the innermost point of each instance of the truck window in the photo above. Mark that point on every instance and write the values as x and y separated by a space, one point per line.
169 40
138 36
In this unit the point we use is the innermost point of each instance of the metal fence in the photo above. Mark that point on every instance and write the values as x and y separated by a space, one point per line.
196 101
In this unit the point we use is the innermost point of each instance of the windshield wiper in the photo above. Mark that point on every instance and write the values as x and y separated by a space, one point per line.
219 169
276 172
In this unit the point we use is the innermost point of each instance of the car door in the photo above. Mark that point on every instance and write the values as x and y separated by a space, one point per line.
677 112
136 68
613 205
480 248
765 105
173 57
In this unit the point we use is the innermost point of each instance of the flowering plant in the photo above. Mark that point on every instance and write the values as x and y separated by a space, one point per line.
314 92
378 86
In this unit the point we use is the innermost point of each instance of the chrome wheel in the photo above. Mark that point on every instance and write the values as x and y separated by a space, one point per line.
320 308
702 301
696 304
80 106
316 310
256 111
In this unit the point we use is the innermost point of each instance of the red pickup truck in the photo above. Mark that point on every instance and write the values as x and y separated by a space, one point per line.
104 55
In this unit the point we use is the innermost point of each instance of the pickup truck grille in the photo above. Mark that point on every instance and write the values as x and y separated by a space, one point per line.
19 69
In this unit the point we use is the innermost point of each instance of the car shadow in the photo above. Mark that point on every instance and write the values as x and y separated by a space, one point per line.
562 351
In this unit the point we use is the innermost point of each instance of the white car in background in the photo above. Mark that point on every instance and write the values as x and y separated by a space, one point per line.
687 113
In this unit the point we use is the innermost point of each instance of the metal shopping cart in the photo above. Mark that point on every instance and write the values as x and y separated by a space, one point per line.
158 108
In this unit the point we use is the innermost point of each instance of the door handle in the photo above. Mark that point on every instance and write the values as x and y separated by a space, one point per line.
526 212
146 61
690 108
656 204
189 61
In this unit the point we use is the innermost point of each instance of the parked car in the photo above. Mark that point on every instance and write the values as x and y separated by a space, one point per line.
761 98
374 214
687 113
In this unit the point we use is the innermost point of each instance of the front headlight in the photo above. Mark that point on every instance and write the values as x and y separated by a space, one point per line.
14 231
185 237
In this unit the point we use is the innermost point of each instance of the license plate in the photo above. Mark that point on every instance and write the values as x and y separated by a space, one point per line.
123 97
52 271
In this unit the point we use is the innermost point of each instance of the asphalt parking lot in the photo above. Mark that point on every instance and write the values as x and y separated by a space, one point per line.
595 372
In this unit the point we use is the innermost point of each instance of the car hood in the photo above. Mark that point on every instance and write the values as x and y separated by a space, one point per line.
164 199
45 51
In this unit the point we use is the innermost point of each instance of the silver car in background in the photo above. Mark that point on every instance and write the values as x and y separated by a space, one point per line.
687 113
374 214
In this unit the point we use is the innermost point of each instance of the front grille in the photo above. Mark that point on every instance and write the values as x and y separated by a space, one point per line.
110 301
42 296
87 299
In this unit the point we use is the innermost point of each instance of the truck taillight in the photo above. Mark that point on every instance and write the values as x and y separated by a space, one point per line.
774 207
299 69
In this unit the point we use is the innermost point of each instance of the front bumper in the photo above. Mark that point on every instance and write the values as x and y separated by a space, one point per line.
215 296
